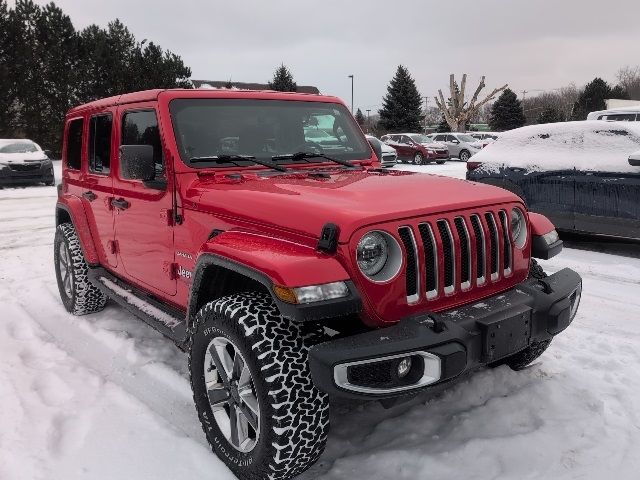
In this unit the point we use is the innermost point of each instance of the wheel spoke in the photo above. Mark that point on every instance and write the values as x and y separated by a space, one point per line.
222 372
238 366
233 418
217 397
249 408
242 426
245 378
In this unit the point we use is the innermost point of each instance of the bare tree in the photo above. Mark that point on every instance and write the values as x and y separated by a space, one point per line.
456 111
629 78
559 99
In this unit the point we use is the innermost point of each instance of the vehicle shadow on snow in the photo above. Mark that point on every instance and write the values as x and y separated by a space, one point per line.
602 244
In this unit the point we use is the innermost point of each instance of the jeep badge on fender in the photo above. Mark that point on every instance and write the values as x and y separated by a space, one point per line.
292 226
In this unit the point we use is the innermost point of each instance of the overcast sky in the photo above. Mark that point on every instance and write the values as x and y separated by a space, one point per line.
531 45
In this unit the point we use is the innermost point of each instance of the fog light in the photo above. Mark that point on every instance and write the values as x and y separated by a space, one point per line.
404 367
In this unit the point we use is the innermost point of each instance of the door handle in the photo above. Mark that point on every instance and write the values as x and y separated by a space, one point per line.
120 203
90 196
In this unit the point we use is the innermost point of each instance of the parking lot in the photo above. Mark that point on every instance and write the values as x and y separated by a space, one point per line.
104 396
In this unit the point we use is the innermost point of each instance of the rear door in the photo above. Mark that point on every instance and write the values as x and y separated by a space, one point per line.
143 227
97 184
608 199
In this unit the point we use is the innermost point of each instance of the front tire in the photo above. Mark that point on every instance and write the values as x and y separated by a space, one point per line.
78 294
525 357
464 156
286 431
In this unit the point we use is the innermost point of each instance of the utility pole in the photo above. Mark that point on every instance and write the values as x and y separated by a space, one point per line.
351 77
524 95
426 110
368 121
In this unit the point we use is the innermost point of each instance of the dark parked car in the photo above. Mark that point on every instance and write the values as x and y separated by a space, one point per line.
585 176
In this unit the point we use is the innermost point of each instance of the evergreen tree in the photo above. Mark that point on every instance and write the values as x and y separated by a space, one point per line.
506 112
360 117
593 98
283 80
6 85
443 126
402 105
549 115
619 92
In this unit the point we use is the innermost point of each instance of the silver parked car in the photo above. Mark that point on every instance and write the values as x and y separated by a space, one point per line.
389 154
461 145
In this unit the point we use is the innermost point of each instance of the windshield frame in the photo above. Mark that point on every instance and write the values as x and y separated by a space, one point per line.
361 152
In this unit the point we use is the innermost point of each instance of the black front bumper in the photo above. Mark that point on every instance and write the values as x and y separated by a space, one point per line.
25 174
462 339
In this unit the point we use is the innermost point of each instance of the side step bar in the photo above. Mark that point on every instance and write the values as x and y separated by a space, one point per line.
168 321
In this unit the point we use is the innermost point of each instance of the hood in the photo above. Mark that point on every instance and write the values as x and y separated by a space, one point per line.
22 157
303 204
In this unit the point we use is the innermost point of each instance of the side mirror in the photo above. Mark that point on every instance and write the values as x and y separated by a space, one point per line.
376 145
137 163
455 141
634 159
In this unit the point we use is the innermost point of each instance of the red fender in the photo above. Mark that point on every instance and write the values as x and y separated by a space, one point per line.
285 263
540 225
73 206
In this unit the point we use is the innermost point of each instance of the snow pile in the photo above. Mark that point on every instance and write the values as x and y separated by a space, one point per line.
588 145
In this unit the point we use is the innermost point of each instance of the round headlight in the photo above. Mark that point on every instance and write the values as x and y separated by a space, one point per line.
379 256
518 228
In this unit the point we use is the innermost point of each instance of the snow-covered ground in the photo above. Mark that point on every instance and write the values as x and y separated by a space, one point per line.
105 397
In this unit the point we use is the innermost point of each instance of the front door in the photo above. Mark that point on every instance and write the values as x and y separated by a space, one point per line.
143 228
97 185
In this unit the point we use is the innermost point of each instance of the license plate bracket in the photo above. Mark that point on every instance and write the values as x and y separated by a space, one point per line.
505 335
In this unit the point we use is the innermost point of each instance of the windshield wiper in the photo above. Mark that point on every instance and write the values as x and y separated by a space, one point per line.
231 158
301 155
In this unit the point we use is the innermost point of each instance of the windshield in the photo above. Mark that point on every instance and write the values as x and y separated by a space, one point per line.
19 147
418 138
466 138
263 129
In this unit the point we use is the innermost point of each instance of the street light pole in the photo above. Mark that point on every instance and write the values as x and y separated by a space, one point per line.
351 77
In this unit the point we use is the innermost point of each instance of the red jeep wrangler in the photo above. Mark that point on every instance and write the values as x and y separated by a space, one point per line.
290 270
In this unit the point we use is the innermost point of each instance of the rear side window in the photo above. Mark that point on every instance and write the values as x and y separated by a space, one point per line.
100 143
141 128
74 143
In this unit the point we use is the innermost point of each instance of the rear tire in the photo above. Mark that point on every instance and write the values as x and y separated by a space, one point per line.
418 158
78 294
464 156
525 357
289 430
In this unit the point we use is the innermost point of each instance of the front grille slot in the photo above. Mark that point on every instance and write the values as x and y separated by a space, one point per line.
431 259
494 248
507 242
411 272
24 167
449 256
481 252
465 252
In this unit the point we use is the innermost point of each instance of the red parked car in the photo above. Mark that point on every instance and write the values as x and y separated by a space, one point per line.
417 148
288 269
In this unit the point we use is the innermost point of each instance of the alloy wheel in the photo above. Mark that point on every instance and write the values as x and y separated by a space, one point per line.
232 395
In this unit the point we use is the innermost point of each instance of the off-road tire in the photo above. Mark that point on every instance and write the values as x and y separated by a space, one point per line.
85 297
418 159
464 156
294 414
523 358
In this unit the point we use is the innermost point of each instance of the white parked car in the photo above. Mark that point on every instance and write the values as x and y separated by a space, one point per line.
23 161
461 145
389 154
622 114
485 138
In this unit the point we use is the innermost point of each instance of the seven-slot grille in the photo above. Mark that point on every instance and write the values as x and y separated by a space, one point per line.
480 243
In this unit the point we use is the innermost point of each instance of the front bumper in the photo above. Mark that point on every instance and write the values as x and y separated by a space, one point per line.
447 343
20 174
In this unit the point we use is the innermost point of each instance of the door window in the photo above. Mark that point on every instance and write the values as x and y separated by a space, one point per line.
141 128
100 143
74 143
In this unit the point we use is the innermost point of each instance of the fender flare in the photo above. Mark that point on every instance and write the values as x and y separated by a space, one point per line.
544 238
273 261
75 210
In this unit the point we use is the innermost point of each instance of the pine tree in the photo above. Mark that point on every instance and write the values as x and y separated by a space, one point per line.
619 92
6 84
506 112
402 105
283 80
549 115
443 126
592 98
360 117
